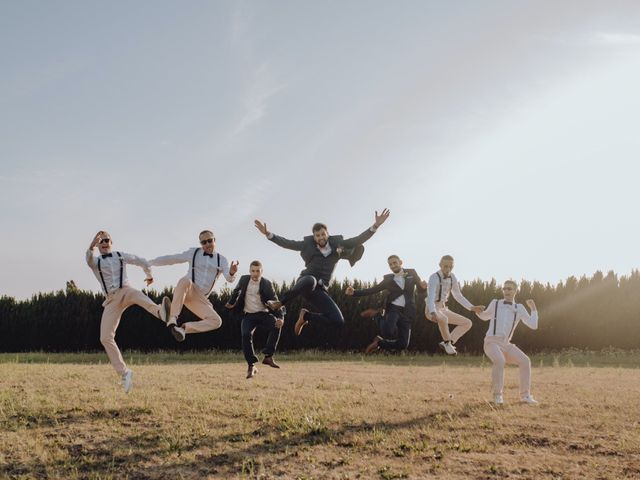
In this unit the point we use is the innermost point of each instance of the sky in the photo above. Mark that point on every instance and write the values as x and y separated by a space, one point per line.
503 133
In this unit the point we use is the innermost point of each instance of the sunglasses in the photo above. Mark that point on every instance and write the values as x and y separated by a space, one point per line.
105 240
507 288
208 240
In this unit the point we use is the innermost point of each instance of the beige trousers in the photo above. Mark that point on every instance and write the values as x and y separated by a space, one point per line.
500 351
115 304
447 317
187 294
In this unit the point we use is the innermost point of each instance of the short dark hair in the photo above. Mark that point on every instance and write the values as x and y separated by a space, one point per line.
318 226
205 231
393 256
446 257
255 263
511 282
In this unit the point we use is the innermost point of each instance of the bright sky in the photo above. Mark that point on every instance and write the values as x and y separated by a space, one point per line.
501 132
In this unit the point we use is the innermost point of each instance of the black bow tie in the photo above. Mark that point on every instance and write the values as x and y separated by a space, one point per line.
107 255
207 254
508 303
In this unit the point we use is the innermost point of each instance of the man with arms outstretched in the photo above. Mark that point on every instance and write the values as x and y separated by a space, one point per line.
110 268
192 290
320 253
400 305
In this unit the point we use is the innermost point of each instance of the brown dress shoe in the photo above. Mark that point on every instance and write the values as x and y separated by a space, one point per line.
251 371
371 312
297 328
373 346
269 361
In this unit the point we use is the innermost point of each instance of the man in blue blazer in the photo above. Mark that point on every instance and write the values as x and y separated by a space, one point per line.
320 253
250 298
399 306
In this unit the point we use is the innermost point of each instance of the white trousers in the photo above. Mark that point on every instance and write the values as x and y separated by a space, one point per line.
501 352
187 294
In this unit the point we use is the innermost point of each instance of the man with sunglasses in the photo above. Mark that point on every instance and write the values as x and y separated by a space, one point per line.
110 268
441 284
192 290
504 316
320 253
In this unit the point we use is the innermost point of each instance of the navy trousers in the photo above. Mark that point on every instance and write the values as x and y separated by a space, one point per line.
251 321
395 323
325 309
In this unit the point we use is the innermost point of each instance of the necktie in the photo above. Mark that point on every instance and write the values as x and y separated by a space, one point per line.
207 254
107 255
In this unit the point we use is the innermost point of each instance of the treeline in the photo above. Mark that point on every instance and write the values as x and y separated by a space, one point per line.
587 313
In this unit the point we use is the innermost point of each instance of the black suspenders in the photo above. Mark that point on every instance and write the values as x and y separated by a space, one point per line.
495 319
102 277
193 268
104 284
440 287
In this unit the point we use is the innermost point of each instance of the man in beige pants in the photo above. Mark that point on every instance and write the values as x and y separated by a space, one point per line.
192 290
504 315
441 284
110 268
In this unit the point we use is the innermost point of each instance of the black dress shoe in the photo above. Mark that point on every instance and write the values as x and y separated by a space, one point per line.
251 371
373 346
269 361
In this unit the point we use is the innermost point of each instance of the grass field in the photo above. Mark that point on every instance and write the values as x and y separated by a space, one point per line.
320 416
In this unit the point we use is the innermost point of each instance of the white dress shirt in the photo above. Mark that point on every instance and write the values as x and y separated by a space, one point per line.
399 279
507 318
110 267
252 301
206 268
450 285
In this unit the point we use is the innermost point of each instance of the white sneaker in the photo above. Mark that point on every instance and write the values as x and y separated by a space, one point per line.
498 400
127 381
178 333
447 347
529 400
165 309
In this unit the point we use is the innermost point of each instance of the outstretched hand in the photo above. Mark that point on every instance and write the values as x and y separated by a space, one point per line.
234 267
262 227
380 219
531 304
477 308
148 281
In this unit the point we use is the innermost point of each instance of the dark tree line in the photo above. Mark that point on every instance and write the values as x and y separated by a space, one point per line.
587 313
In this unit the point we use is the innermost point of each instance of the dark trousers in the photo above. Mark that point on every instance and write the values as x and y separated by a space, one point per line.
326 310
251 321
394 323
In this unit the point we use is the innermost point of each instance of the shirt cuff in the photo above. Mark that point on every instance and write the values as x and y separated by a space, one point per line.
270 235
373 228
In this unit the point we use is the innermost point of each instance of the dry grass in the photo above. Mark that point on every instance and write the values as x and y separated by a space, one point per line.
322 420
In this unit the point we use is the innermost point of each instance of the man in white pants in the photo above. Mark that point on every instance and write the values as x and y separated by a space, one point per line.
110 268
441 284
192 290
504 315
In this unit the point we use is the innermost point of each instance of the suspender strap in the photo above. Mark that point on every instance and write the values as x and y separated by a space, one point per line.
121 268
439 287
515 316
495 318
217 272
193 266
104 284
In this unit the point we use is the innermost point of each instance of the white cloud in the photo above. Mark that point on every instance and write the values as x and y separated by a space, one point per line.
616 39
